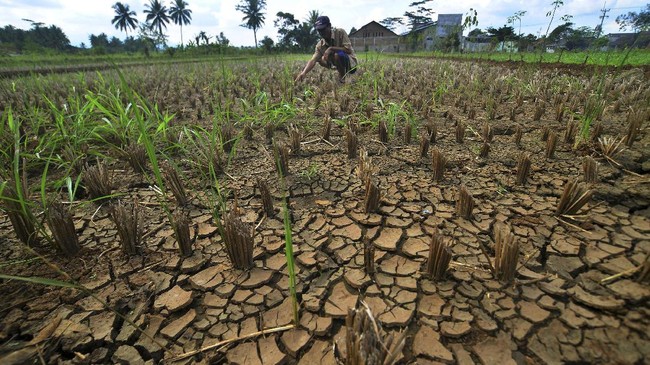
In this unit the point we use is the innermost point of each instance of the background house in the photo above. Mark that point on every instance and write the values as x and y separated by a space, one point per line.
375 37
445 33
623 40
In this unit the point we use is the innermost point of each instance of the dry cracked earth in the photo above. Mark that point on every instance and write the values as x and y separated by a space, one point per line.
574 300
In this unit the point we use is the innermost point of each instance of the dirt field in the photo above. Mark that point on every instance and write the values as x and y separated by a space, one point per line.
578 295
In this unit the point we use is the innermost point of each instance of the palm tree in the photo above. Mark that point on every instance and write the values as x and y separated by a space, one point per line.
180 15
124 18
253 14
157 14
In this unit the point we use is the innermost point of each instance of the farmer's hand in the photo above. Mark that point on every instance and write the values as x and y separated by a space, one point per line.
300 77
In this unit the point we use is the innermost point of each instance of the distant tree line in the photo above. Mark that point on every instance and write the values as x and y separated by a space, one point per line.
294 35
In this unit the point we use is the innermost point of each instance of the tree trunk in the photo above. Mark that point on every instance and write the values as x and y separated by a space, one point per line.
255 36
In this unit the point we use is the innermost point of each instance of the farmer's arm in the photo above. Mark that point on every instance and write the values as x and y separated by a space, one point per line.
308 67
318 53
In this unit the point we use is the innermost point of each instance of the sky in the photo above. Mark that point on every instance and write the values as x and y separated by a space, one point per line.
80 18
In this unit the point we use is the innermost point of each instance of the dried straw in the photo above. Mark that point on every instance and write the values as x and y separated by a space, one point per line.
238 239
327 128
129 226
464 203
295 136
136 156
175 183
432 131
424 146
365 341
551 143
438 163
506 253
408 133
21 221
267 199
181 225
439 257
372 198
518 134
352 142
97 181
523 168
590 169
460 132
485 150
574 197
281 154
383 132
62 227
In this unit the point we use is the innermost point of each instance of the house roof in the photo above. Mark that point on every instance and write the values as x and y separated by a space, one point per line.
386 30
444 21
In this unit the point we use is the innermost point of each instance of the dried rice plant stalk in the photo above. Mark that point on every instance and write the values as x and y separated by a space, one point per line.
368 256
432 131
485 150
506 250
570 132
352 142
267 199
596 132
327 128
248 132
439 257
574 197
77 158
365 341
408 133
175 183
62 227
383 132
559 112
424 146
551 143
590 169
295 136
238 239
136 156
486 133
181 226
539 111
228 137
281 154
523 168
129 226
438 163
609 146
513 114
364 168
544 136
464 203
372 198
97 181
460 132
635 119
22 222
269 130
518 134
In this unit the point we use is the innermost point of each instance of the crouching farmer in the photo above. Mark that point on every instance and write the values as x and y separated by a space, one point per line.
333 50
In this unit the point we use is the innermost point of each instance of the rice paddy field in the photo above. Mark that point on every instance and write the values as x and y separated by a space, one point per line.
426 211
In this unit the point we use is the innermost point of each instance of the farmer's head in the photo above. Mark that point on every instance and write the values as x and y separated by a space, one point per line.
323 26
